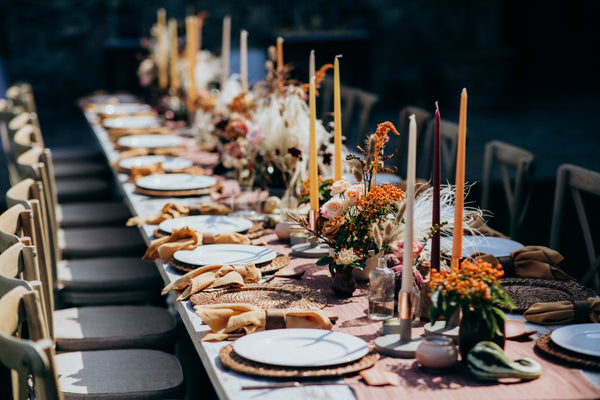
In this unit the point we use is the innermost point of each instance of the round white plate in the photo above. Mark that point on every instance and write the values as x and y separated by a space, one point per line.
123 108
110 98
207 223
580 338
488 245
301 347
175 182
230 254
168 163
131 122
150 141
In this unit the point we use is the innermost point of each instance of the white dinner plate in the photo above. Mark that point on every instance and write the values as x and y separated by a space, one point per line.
123 108
131 122
207 223
168 163
150 141
484 244
231 254
175 182
110 98
301 347
580 338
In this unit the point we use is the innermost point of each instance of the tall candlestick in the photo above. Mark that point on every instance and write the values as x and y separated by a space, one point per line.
225 45
161 48
459 200
191 50
337 120
407 274
311 65
435 220
174 54
244 60
314 171
279 53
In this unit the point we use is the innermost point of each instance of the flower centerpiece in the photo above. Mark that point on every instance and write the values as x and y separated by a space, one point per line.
475 289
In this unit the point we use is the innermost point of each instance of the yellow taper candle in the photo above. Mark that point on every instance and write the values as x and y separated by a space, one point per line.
314 170
244 60
161 49
191 50
174 54
225 46
279 52
337 120
459 200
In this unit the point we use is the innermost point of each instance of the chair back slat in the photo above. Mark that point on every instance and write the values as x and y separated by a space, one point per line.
424 143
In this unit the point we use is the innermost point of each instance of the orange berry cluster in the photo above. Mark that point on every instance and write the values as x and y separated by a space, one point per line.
473 281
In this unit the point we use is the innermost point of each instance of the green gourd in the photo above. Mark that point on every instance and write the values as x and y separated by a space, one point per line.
487 361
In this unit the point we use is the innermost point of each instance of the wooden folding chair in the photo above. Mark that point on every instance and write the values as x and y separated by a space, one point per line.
577 180
448 146
422 118
516 167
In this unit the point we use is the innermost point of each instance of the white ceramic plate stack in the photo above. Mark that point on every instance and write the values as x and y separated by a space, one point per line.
207 223
168 163
175 182
150 141
131 122
231 254
301 347
579 338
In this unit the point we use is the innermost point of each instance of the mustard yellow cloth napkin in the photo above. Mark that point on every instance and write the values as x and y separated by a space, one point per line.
142 151
229 321
212 277
115 134
563 312
530 262
188 239
173 210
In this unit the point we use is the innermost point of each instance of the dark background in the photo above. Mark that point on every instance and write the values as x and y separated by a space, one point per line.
530 68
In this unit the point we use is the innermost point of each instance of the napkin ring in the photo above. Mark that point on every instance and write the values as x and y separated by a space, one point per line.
582 311
275 319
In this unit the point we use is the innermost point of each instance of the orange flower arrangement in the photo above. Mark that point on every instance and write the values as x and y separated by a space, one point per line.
472 287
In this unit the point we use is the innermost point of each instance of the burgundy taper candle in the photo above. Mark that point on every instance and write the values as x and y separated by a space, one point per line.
435 220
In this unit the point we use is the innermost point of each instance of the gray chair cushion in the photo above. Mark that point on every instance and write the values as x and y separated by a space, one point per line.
122 374
113 327
100 241
81 169
81 189
92 214
108 274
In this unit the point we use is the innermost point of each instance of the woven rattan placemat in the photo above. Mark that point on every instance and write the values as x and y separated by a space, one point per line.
527 291
547 347
265 296
230 359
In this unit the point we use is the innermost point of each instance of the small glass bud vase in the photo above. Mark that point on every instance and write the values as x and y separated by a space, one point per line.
381 291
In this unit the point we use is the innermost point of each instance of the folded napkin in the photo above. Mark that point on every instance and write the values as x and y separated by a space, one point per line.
188 239
173 210
230 321
529 262
157 169
142 151
115 134
212 277
564 312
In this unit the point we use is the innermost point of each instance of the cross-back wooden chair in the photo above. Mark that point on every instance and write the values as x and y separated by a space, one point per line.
422 118
98 280
42 374
357 105
515 167
31 358
78 328
448 146
577 181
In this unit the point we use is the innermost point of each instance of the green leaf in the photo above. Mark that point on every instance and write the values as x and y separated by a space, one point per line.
326 260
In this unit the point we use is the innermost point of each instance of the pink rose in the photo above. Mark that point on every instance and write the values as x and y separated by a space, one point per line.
339 187
398 248
354 193
256 135
333 208
235 149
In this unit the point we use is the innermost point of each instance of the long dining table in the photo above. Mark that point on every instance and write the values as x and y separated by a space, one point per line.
556 381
